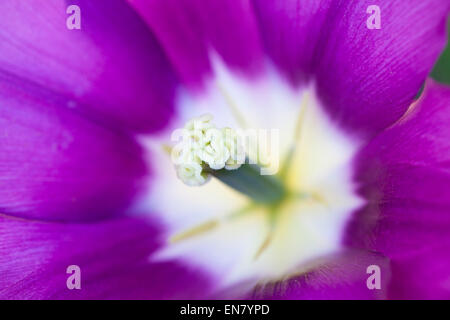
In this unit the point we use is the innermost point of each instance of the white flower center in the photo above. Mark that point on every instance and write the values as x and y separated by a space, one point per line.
219 229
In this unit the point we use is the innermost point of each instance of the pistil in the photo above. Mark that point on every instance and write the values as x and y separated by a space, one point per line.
207 151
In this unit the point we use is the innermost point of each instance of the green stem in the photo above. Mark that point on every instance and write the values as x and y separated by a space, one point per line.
263 189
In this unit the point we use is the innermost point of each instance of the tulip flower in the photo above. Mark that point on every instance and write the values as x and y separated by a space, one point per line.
355 199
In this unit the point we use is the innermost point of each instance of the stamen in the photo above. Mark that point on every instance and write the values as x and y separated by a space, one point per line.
265 244
269 236
297 135
210 225
233 106
272 220
197 230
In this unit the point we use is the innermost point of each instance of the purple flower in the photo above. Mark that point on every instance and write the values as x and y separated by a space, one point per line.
85 179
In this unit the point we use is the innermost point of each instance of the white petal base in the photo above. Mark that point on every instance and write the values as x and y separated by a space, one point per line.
305 230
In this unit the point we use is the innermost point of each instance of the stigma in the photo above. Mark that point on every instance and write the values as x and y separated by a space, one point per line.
204 148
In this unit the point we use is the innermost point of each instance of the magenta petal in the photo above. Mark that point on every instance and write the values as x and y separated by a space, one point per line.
422 275
114 258
366 78
56 165
291 31
343 276
112 68
404 174
189 30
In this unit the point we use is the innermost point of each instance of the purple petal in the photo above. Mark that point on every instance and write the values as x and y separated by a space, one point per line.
189 30
57 165
291 31
404 174
341 277
112 68
422 275
114 258
366 78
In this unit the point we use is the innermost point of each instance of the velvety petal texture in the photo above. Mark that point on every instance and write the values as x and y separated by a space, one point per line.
366 78
112 69
291 31
343 276
423 274
404 173
191 30
114 258
55 164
